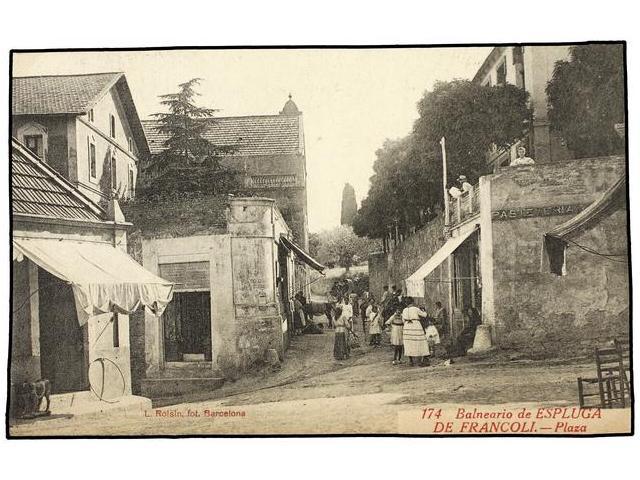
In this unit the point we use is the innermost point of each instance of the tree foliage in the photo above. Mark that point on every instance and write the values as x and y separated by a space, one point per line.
190 162
406 188
341 246
586 99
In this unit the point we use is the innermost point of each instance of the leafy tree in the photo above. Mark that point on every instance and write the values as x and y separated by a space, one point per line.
473 118
406 188
314 244
190 162
340 246
586 99
349 205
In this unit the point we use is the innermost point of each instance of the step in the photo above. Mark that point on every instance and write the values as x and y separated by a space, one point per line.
169 387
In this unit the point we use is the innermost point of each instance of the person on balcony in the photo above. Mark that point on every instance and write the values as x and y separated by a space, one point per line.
522 158
455 192
464 185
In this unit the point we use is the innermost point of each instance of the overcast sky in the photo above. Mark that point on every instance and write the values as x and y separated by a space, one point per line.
351 99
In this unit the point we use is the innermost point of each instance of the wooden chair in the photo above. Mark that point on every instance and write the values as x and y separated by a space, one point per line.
611 387
622 345
611 376
588 391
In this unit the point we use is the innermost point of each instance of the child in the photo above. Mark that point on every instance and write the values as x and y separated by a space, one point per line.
397 324
433 337
374 325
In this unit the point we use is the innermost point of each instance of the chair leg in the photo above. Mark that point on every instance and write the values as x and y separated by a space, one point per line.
580 392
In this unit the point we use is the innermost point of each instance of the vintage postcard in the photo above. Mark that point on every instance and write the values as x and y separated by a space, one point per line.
420 240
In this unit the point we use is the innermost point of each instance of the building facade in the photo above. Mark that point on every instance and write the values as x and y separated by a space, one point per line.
232 300
530 68
491 255
86 127
70 317
268 151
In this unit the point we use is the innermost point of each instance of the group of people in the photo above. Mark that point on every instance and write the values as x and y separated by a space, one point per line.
414 333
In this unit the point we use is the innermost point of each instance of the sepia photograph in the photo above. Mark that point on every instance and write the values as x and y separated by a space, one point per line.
399 240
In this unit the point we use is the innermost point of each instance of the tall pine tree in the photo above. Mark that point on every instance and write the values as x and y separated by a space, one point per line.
349 205
190 162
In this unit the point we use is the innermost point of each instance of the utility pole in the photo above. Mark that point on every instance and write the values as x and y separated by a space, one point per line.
443 145
450 266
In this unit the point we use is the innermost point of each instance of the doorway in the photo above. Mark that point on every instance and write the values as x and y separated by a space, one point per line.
64 358
187 327
467 282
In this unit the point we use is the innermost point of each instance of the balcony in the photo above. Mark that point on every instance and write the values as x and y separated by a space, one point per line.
464 207
271 181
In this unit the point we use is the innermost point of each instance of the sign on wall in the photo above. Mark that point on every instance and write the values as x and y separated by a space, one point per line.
188 276
530 212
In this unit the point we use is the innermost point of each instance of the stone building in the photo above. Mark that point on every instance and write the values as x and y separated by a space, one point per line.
269 152
73 288
85 127
493 257
529 67
234 281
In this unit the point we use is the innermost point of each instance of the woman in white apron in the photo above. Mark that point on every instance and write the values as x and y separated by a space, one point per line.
415 342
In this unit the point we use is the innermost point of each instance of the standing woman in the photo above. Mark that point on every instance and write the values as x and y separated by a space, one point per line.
298 316
375 317
340 348
396 323
415 340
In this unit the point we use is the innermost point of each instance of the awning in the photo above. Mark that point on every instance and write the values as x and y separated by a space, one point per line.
302 255
415 283
103 278
555 240
610 200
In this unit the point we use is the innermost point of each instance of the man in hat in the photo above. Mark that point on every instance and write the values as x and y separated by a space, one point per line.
464 185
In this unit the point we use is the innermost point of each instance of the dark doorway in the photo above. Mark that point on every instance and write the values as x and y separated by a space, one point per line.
187 327
63 343
467 283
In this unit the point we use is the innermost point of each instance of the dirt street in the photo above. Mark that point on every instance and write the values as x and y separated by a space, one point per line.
313 393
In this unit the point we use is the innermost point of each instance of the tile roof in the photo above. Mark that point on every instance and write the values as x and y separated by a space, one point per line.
38 190
59 94
252 135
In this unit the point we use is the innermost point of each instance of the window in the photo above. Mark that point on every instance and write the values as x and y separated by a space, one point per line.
90 115
34 143
92 158
132 185
114 173
112 126
501 73
130 144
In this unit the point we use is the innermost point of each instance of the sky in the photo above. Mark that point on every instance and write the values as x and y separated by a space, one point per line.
352 100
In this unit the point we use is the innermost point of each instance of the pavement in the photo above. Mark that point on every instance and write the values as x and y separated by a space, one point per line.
313 393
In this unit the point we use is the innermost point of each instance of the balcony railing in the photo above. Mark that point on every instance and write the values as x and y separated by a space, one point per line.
465 206
271 181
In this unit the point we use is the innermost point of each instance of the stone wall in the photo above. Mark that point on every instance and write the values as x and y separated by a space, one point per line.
540 313
393 268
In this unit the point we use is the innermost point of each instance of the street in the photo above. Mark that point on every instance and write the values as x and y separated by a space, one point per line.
313 393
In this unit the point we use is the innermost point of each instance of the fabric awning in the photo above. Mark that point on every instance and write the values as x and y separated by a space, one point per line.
302 255
103 278
415 282
555 240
